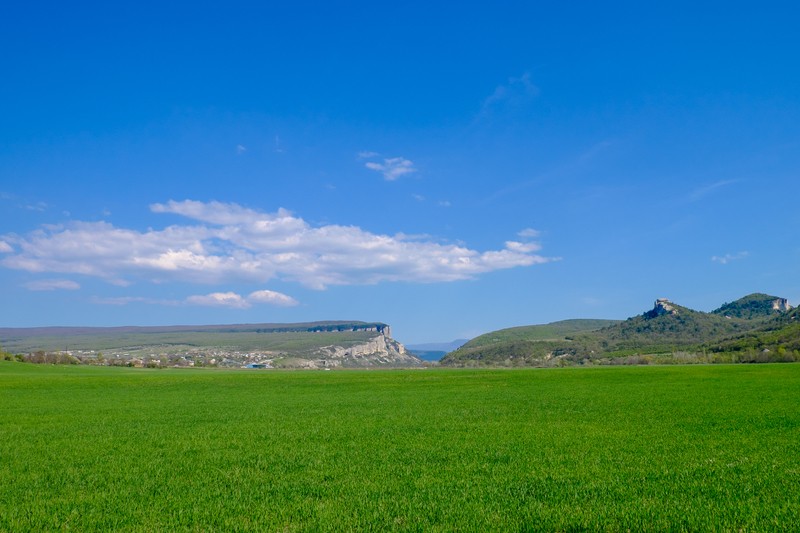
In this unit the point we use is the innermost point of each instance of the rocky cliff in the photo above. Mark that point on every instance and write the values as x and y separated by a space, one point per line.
662 307
381 350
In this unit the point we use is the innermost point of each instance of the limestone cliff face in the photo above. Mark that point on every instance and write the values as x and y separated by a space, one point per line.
381 350
781 304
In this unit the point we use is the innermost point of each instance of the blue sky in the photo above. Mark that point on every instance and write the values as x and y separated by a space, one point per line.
447 170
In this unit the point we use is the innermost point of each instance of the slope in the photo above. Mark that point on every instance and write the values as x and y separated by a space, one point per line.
661 332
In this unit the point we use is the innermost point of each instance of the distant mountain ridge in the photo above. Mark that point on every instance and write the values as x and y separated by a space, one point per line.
662 333
433 351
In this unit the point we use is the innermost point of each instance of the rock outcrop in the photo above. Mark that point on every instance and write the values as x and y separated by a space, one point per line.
381 350
662 307
781 305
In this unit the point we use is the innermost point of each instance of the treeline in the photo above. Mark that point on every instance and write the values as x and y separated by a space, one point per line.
322 328
63 358
41 357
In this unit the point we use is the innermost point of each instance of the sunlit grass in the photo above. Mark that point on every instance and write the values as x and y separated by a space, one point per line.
664 448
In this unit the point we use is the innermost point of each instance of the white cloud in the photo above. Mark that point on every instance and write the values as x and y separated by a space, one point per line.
236 301
727 258
444 203
5 247
392 167
272 297
524 247
529 233
240 149
229 243
52 285
368 155
220 299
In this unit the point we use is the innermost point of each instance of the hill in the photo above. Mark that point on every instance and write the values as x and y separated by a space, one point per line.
542 332
668 332
777 339
518 344
754 306
309 345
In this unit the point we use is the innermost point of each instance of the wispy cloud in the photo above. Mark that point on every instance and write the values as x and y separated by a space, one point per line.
706 190
278 145
126 300
514 93
214 299
240 149
5 247
577 165
52 285
392 167
38 206
727 258
226 242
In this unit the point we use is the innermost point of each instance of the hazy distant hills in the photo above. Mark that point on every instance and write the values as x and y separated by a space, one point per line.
433 351
754 328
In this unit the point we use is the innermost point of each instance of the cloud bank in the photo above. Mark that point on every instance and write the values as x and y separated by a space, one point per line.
226 242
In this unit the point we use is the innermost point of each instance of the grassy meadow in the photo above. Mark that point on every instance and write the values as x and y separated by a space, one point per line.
624 448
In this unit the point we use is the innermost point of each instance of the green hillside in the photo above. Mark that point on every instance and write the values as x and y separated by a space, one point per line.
520 344
776 340
542 332
738 331
754 306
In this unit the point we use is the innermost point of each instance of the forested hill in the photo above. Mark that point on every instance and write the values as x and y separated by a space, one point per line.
664 331
757 305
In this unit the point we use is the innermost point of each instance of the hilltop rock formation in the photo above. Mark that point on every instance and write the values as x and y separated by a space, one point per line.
662 307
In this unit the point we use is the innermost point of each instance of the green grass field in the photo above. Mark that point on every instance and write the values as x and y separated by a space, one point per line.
625 448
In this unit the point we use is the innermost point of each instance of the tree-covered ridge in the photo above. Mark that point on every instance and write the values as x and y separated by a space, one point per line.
754 306
654 336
